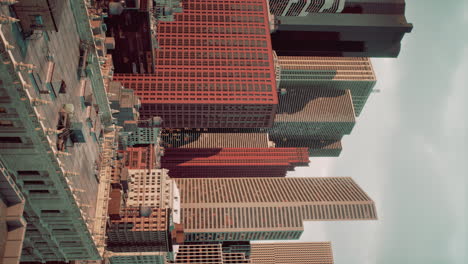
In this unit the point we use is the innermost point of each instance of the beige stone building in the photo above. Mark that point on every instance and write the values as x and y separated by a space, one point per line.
292 253
240 209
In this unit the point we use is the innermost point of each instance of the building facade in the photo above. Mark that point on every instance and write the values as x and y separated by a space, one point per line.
137 257
247 138
151 187
291 253
49 140
261 253
134 232
213 69
227 153
240 209
12 222
232 162
304 7
355 74
340 35
138 157
207 253
315 114
317 148
226 138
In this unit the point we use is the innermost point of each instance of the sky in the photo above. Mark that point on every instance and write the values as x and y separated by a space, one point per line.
409 149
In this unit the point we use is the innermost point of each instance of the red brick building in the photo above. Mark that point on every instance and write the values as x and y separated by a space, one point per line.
213 68
139 157
233 162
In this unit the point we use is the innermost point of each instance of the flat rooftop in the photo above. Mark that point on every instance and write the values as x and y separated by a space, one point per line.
63 46
56 88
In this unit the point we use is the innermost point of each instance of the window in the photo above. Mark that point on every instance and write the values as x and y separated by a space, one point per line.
34 182
23 173
38 191
10 140
6 123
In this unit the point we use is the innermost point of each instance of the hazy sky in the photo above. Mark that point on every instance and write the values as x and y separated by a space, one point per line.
409 149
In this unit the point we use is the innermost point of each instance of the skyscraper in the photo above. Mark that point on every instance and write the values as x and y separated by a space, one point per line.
355 74
307 112
232 162
225 138
240 209
12 222
207 253
340 34
247 138
304 7
291 253
316 147
262 253
214 68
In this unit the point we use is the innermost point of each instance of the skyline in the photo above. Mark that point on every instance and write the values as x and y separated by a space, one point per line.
407 151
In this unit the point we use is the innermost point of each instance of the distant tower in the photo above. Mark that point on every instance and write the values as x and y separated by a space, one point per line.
244 138
308 112
304 7
364 28
227 153
355 74
317 148
233 162
240 209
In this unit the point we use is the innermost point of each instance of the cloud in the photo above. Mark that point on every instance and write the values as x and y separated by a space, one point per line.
465 13
365 159
455 103
409 150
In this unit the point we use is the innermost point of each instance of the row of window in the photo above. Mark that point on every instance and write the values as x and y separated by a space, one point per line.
218 74
225 64
189 28
167 40
222 18
252 5
199 87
